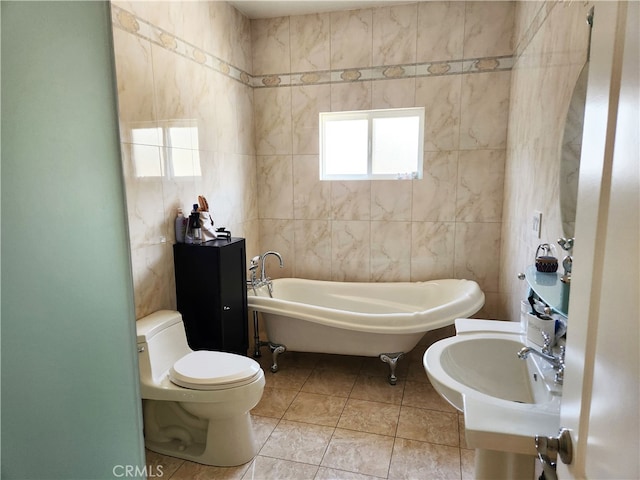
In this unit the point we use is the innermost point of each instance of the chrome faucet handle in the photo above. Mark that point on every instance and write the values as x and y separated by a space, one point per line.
546 348
255 261
559 377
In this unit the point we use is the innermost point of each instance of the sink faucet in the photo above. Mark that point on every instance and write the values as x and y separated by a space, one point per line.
556 361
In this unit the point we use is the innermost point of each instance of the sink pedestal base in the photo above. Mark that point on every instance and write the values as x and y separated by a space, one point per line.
494 465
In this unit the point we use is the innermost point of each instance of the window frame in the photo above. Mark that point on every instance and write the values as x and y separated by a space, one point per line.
370 115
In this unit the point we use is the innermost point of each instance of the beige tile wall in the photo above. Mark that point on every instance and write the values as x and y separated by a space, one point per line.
552 40
205 64
445 225
176 63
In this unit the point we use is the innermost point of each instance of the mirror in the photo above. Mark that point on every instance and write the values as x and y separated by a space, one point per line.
570 154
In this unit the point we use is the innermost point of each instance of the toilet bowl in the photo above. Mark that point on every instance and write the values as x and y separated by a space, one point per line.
195 403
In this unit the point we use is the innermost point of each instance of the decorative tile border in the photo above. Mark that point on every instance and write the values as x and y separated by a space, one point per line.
130 23
429 69
127 21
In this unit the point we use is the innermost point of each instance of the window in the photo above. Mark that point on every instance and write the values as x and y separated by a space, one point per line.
372 144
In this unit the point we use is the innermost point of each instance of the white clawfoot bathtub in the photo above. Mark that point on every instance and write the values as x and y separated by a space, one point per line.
382 320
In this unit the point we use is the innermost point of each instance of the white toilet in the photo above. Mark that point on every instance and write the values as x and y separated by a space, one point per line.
195 404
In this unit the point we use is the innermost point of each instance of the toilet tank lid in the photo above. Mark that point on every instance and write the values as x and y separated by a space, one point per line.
148 326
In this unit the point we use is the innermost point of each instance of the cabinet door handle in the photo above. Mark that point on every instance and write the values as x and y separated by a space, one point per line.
226 307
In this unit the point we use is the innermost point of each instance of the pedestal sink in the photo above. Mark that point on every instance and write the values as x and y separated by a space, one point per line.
506 401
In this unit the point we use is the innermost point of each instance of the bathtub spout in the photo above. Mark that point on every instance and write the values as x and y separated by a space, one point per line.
391 359
263 274
264 280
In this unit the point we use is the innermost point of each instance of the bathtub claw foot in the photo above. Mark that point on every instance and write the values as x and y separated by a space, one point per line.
275 351
391 359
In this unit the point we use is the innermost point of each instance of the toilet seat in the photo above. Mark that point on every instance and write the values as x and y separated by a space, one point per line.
207 370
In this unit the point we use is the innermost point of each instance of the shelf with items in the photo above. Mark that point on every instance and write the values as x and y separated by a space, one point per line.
549 288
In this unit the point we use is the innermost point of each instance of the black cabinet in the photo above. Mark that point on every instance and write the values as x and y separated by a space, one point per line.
211 290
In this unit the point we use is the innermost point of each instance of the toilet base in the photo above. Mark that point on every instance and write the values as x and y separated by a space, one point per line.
221 442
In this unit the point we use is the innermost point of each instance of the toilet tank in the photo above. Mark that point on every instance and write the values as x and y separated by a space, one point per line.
161 342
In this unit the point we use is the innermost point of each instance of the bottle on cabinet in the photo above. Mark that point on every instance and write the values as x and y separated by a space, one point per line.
181 226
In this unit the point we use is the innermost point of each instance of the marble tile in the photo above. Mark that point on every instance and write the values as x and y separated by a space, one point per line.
327 382
477 249
325 473
278 235
423 395
351 200
306 103
145 203
264 468
239 39
377 389
272 107
371 417
441 98
303 360
156 463
359 452
412 459
286 376
197 471
172 100
136 106
394 34
340 363
311 196
488 29
298 442
351 96
310 42
395 93
480 186
317 409
313 249
416 373
440 31
350 251
226 110
262 428
274 402
432 250
275 186
390 251
428 426
166 15
485 110
271 45
153 279
434 195
391 200
351 39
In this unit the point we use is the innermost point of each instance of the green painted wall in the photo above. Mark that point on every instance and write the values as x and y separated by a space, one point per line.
70 397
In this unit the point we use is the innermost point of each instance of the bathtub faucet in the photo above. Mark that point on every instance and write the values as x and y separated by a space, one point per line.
260 260
263 273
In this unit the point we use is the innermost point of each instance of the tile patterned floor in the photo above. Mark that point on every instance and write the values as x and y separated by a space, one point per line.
335 417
